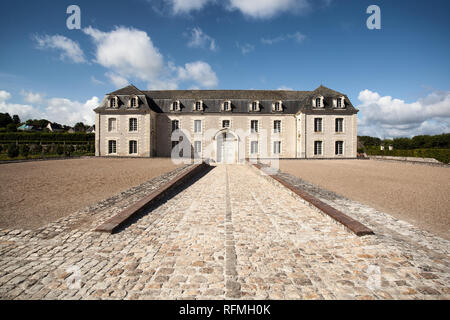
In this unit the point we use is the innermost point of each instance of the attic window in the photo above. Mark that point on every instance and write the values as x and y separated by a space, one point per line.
318 102
277 106
340 102
175 106
198 106
226 105
254 106
133 102
112 103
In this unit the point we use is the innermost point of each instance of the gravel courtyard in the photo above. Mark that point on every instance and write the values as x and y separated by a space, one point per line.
232 234
419 194
33 194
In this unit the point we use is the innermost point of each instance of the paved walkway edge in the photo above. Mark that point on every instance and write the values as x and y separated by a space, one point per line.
111 225
350 224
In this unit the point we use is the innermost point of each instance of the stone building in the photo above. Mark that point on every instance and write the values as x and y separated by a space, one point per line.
226 125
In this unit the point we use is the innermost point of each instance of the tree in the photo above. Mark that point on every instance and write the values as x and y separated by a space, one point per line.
13 151
24 150
16 119
59 149
5 119
11 127
79 127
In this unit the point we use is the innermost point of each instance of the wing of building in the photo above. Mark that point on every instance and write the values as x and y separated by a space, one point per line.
226 125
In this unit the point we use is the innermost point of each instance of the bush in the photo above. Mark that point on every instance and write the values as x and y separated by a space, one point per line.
11 127
24 150
1 148
13 150
46 136
35 148
59 149
442 155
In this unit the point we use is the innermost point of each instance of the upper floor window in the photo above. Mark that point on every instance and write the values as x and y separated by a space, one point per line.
198 106
225 123
339 103
133 124
175 125
112 124
318 103
197 126
113 103
133 102
254 126
318 125
339 124
277 126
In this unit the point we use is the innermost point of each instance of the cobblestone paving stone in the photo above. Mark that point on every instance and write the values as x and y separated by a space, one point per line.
232 234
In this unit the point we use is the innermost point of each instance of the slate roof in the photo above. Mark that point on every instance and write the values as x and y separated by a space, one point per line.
160 101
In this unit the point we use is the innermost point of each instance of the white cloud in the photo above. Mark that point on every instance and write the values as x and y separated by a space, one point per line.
61 110
200 72
94 80
267 8
32 97
245 48
384 116
199 39
129 54
186 6
297 36
285 88
69 49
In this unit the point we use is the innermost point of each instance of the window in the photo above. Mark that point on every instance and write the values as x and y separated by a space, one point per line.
277 126
254 147
318 102
254 125
339 103
197 126
339 148
339 125
133 125
255 106
112 146
134 102
132 147
176 106
317 148
276 147
112 103
175 125
197 146
226 106
174 144
318 125
112 124
278 106
225 123
198 106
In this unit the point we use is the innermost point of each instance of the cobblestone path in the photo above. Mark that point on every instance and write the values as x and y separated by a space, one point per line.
232 234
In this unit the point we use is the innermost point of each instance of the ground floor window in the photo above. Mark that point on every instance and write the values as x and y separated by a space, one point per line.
197 146
174 144
112 146
317 148
133 147
276 147
254 147
339 148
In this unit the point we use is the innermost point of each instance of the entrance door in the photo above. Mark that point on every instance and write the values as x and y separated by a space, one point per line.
228 151
226 148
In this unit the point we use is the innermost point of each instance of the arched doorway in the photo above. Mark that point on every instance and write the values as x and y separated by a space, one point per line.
227 147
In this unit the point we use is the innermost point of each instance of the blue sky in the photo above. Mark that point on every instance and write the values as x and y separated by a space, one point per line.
398 76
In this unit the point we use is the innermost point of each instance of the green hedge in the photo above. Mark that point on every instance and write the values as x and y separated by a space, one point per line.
46 137
442 155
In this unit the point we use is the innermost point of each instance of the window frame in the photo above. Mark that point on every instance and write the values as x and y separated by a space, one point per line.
195 126
336 148
252 149
316 120
172 122
256 129
131 127
197 143
275 129
109 124
134 101
110 146
130 143
336 126
276 144
229 124
318 142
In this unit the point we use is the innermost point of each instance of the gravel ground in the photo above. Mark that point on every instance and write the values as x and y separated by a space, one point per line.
415 193
33 194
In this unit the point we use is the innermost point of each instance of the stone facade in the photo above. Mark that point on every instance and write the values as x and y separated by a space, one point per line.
138 123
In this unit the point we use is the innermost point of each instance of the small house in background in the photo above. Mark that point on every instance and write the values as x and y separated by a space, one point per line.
54 128
25 127
91 129
391 147
381 148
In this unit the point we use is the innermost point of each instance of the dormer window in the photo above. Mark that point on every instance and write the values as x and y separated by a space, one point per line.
113 102
134 102
318 102
277 106
340 102
226 105
254 106
198 106
175 106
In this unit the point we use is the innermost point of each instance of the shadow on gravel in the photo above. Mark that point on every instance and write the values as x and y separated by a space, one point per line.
170 194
